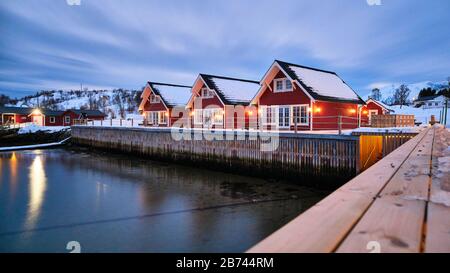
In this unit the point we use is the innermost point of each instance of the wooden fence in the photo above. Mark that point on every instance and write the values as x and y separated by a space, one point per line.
309 159
374 146
382 121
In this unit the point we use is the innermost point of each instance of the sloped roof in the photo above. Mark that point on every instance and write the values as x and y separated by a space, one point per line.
87 112
171 94
321 84
16 110
232 90
427 98
380 104
48 112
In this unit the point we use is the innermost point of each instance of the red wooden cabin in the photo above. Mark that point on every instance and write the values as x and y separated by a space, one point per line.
373 107
69 117
221 102
161 103
308 98
46 117
15 115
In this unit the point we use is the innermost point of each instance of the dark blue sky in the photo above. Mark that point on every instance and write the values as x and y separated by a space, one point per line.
53 45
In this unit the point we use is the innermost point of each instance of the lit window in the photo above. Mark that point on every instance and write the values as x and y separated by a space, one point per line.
284 116
268 115
162 117
300 115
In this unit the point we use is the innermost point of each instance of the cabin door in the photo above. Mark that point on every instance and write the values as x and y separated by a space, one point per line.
372 113
38 120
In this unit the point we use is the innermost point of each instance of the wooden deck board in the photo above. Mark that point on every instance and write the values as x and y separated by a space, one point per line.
325 225
395 220
402 203
437 237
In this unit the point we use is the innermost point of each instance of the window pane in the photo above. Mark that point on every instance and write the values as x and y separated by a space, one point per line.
279 85
288 85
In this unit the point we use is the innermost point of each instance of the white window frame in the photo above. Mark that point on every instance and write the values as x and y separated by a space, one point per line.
274 115
283 84
206 93
162 118
284 116
154 99
52 120
306 106
67 119
198 116
216 116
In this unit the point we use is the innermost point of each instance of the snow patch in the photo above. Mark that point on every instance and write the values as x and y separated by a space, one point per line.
33 128
236 90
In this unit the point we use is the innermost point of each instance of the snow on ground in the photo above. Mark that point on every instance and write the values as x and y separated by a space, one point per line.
421 115
415 129
33 128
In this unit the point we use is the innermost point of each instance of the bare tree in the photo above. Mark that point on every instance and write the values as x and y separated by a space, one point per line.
376 94
401 95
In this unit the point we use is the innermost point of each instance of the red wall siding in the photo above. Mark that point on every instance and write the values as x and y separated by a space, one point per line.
327 118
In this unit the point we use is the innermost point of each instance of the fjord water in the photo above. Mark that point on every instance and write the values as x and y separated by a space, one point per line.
117 203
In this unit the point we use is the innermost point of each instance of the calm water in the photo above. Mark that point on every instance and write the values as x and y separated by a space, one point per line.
112 203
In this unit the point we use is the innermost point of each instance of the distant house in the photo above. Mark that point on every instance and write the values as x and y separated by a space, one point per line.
47 117
214 98
428 102
373 107
71 116
15 114
309 98
158 101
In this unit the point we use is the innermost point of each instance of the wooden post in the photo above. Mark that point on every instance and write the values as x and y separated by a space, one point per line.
340 124
120 122
101 122
111 121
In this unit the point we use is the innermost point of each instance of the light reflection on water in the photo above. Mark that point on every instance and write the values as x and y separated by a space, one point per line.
37 186
113 203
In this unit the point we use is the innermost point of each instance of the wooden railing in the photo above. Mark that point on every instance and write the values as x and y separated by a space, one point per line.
401 204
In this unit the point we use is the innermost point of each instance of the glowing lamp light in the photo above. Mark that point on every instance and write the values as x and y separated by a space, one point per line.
352 111
191 113
250 113
365 112
167 114
317 110
37 112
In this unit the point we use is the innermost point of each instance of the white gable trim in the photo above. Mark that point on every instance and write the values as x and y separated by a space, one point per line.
144 101
263 84
194 94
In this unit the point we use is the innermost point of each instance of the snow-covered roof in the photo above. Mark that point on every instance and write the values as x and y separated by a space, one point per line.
232 90
321 84
171 94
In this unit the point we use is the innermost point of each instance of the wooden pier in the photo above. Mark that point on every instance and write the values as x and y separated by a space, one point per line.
400 204
308 159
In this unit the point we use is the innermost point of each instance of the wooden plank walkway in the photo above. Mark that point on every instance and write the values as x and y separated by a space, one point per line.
400 204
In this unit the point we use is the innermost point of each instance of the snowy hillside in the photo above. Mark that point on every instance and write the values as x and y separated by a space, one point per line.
117 103
387 92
